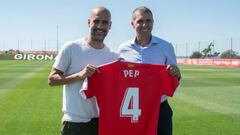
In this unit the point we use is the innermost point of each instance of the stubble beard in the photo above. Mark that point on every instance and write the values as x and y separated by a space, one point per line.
98 38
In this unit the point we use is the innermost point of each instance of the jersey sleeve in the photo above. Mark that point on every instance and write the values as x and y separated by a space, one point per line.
84 91
92 85
88 89
169 83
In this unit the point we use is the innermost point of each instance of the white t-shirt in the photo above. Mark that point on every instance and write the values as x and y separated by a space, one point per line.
73 57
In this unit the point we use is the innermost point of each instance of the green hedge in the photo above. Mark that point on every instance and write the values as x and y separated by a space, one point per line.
6 56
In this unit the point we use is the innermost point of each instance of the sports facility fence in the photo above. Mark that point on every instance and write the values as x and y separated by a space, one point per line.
210 62
183 50
220 45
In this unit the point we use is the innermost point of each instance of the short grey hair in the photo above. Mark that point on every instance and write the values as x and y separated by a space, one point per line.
142 9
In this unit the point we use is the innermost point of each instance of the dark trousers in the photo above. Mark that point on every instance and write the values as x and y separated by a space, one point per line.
71 128
165 119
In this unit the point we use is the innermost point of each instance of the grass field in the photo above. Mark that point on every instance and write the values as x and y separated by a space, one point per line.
208 102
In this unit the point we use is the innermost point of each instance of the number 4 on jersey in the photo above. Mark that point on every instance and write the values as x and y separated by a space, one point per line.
130 104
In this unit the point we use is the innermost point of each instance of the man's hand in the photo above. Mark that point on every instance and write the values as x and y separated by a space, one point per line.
174 71
88 71
57 77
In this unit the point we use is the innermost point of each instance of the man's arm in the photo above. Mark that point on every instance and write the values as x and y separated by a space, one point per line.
171 63
58 77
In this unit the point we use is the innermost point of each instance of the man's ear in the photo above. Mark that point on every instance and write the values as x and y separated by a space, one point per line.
132 24
110 25
89 21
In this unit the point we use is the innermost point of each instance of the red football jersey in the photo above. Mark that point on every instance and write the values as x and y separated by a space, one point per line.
128 96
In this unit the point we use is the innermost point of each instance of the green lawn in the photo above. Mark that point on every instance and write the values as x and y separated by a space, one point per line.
207 103
28 106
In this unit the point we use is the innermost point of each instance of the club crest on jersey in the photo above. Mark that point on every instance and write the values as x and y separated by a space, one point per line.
131 73
130 65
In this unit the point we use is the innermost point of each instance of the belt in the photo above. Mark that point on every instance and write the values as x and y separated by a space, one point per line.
79 123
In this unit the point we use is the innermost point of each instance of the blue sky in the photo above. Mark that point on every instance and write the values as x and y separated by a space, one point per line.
178 21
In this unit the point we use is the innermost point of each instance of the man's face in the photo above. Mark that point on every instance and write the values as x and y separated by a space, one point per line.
143 23
99 24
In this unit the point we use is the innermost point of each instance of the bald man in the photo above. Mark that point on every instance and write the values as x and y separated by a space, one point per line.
76 61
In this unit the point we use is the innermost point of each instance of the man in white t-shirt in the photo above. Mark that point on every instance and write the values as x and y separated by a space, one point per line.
75 61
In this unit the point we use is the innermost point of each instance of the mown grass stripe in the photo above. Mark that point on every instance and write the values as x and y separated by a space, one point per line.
193 120
12 82
36 110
